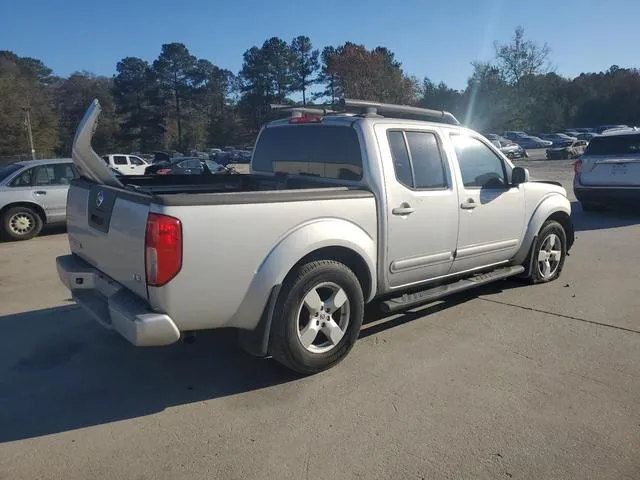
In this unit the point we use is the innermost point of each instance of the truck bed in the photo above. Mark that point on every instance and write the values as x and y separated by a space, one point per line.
231 224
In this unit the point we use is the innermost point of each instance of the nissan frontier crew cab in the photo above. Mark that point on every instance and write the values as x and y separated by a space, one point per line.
365 202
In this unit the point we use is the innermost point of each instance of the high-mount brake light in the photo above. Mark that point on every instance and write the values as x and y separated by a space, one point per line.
306 119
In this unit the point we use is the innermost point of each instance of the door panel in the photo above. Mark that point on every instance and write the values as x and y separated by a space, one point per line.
121 164
491 218
50 187
136 165
422 205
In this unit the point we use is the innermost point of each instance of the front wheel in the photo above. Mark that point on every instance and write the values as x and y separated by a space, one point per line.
549 252
317 317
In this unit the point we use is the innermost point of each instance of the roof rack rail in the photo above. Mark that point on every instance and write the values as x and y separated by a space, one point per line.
398 111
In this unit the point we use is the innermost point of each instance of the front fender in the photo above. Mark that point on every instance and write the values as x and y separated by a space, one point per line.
296 244
548 205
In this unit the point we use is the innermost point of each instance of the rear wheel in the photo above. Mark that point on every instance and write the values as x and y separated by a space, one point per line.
318 317
21 223
549 253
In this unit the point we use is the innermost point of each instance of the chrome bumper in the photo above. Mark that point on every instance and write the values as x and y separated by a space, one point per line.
113 306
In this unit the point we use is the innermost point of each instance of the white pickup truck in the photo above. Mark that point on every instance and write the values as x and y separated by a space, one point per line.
367 203
126 164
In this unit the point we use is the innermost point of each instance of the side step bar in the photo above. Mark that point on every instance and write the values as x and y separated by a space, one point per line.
435 293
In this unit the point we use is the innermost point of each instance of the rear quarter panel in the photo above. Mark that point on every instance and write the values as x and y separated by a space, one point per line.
234 254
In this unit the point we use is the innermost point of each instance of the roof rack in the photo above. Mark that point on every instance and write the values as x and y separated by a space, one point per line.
368 108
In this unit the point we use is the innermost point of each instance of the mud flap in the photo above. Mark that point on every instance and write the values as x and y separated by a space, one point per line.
256 342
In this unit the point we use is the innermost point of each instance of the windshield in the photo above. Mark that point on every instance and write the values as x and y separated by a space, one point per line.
7 170
614 145
327 151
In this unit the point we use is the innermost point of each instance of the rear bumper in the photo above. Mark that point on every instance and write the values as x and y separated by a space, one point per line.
113 306
607 195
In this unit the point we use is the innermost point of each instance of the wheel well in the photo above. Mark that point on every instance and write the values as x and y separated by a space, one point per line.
563 219
344 255
33 206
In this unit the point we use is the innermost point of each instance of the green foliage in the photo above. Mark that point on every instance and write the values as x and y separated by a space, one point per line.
181 102
24 83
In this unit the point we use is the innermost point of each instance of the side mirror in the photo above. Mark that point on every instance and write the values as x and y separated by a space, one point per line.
519 175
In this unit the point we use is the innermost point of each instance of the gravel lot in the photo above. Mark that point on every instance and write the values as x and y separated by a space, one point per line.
508 382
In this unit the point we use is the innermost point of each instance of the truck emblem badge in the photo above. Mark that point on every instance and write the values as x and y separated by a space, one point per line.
99 198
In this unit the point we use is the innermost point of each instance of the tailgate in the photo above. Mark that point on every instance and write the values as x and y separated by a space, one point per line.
620 171
106 228
106 223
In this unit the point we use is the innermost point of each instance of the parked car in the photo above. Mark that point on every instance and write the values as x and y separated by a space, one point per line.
184 166
602 128
326 221
126 164
558 139
515 135
573 150
608 173
572 133
33 193
530 142
511 150
587 136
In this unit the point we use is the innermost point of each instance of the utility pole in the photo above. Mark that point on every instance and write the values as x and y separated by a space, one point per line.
27 111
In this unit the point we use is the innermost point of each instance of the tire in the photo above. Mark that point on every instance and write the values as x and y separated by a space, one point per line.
551 238
525 154
21 223
293 318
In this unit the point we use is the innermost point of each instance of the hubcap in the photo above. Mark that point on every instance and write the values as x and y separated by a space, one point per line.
549 256
323 317
21 223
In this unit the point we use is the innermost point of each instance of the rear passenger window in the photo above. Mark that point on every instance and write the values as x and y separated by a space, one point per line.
119 160
428 168
417 160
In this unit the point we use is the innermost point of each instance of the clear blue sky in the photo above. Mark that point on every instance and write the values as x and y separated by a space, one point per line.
435 39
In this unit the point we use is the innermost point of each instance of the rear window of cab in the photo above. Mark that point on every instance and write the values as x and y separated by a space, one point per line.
326 151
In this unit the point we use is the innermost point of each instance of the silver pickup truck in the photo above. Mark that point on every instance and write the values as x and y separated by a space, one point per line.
368 202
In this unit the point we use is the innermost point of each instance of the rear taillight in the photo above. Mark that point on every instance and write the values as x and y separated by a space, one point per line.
163 171
163 249
577 166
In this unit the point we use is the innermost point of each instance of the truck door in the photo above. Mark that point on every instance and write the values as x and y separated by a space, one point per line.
491 209
422 205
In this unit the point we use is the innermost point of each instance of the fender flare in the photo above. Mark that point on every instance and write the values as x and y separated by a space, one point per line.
548 206
254 315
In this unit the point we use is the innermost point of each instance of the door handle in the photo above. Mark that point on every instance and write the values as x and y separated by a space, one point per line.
404 209
40 192
470 204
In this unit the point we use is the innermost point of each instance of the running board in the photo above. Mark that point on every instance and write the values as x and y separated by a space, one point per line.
435 293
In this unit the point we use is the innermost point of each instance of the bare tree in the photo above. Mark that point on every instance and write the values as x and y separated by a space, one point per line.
521 58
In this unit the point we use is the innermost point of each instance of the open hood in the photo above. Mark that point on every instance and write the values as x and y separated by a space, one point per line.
88 163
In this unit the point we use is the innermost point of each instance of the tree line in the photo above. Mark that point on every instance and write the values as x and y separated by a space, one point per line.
178 101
